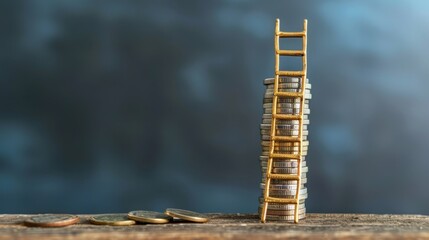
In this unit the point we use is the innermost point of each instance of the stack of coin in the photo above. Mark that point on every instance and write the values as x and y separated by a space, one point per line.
284 188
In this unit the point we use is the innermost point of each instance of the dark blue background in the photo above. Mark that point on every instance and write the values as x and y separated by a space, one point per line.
110 106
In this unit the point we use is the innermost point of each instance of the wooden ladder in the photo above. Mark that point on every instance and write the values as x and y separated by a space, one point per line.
276 116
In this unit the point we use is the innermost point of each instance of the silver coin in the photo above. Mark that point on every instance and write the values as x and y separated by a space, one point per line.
284 149
268 138
303 175
285 100
286 192
284 144
283 132
282 212
269 116
271 91
283 127
286 170
282 161
283 79
301 196
282 164
282 182
289 85
305 121
282 86
279 206
287 111
266 152
281 186
284 105
261 201
284 218
281 195
269 95
264 164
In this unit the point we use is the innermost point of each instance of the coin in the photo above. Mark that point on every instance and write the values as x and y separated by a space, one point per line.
286 170
303 175
284 105
288 85
261 201
269 95
112 220
281 186
283 80
285 127
281 164
149 217
52 220
282 212
278 181
280 132
268 138
284 144
286 122
186 215
279 206
266 150
271 91
285 100
287 111
284 218
269 116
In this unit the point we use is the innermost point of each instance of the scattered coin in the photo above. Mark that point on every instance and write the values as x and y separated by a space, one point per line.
52 220
187 215
149 216
112 220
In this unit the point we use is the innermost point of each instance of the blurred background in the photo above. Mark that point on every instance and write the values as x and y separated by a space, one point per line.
111 106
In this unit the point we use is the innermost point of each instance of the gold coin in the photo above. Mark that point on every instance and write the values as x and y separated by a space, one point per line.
149 217
187 215
112 220
52 220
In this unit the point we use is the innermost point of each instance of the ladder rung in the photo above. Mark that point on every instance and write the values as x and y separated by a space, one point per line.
290 73
283 176
291 34
288 94
291 52
285 155
287 116
286 139
281 200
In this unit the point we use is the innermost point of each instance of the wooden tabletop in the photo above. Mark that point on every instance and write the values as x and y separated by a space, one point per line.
234 226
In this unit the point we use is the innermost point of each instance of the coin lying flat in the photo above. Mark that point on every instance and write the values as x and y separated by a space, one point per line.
284 218
112 220
52 220
149 216
186 215
283 79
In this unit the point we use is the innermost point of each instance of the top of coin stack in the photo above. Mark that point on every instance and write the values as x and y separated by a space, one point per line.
284 188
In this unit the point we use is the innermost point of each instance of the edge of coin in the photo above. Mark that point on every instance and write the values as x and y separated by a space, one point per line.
124 222
131 216
171 212
64 223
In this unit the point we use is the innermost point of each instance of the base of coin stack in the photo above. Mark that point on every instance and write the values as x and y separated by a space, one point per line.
284 188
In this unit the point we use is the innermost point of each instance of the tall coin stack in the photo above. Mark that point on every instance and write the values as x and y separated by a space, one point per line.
284 188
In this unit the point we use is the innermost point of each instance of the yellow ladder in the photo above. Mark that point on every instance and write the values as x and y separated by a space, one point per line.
275 116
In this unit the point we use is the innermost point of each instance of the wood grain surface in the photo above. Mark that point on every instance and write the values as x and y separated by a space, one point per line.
234 226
